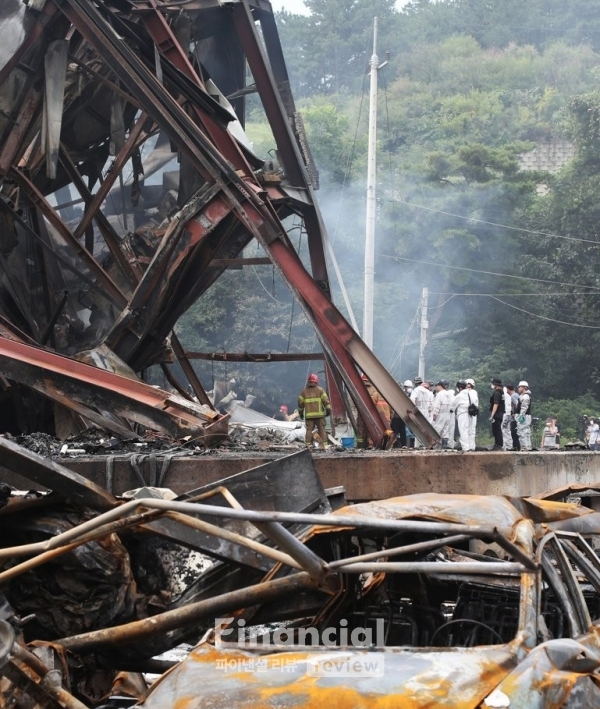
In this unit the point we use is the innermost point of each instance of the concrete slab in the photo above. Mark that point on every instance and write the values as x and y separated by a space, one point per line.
366 475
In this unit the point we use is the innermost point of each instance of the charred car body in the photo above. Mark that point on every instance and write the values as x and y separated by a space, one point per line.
513 623
424 600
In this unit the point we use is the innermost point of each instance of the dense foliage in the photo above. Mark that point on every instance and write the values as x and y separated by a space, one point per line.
510 257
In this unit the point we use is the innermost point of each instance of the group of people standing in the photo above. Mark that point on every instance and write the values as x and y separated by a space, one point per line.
510 415
510 412
446 409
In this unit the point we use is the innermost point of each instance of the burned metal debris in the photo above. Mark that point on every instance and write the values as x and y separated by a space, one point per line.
438 600
97 263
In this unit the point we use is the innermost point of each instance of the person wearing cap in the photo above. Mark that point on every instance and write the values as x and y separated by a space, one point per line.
383 408
523 415
441 411
422 398
450 432
313 407
497 413
282 414
594 435
473 398
460 407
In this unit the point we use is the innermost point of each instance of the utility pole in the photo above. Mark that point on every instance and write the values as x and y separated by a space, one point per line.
371 199
424 326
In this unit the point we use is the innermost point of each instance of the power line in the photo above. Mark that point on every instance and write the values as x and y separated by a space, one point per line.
501 226
354 142
517 295
543 317
488 273
403 342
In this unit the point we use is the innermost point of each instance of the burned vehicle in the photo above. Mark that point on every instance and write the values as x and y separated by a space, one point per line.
423 600
426 600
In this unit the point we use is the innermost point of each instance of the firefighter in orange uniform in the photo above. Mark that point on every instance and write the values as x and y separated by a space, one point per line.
385 412
314 406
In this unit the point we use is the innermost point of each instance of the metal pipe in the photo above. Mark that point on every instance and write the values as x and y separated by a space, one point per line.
308 560
437 567
352 521
232 537
398 551
189 615
102 531
57 692
514 551
71 534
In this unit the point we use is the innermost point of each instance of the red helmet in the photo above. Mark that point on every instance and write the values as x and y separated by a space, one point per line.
313 378
283 407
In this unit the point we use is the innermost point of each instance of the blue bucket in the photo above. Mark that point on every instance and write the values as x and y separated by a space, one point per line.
347 442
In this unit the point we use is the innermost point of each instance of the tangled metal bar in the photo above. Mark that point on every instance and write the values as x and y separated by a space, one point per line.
127 77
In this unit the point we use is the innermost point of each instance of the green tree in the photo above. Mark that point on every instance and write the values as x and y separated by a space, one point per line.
328 50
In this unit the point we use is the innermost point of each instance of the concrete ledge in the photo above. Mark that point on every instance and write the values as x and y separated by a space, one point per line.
366 475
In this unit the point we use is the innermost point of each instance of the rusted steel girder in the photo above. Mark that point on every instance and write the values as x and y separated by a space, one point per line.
249 357
38 199
189 372
230 209
67 380
347 348
119 248
282 132
168 46
52 475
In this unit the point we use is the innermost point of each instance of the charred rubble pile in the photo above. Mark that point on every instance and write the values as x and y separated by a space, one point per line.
268 577
136 575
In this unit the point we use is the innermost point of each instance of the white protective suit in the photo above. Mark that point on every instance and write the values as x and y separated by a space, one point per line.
443 420
507 441
467 424
524 421
422 398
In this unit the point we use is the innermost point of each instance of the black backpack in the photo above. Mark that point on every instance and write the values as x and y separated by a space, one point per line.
473 408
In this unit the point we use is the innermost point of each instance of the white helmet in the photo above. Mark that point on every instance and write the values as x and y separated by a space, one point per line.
470 381
523 383
408 384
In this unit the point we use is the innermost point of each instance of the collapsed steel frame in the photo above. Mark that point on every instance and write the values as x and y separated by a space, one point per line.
92 81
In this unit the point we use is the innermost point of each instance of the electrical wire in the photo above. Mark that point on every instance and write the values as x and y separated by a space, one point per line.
516 295
543 317
501 226
441 305
266 290
387 127
402 343
488 273
351 156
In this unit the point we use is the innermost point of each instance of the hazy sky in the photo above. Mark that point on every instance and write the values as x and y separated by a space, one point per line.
297 6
